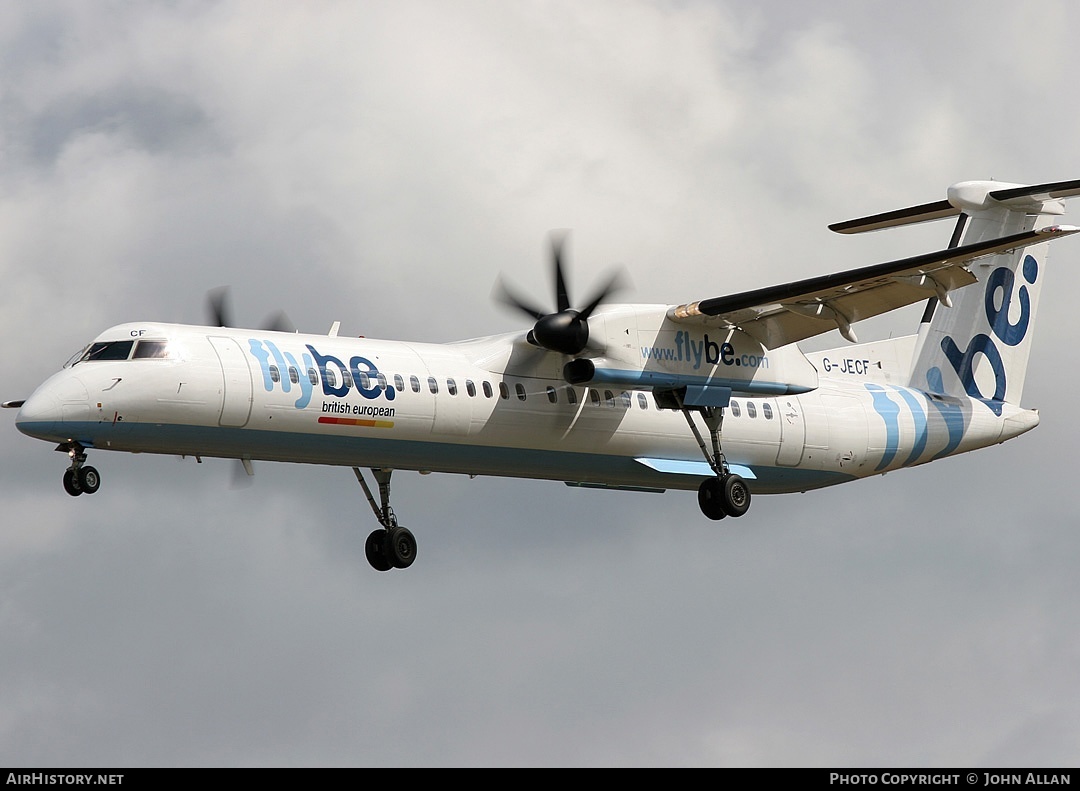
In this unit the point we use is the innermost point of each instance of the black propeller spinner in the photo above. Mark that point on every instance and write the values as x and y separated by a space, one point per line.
566 330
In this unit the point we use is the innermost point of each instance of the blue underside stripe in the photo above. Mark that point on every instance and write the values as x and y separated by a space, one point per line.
424 455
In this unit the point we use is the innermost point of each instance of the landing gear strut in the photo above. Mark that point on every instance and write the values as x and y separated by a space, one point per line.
391 546
727 494
79 478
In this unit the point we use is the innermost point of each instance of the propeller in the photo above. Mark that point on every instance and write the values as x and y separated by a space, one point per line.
221 313
566 330
217 303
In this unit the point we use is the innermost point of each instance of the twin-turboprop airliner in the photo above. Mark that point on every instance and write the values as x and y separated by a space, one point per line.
713 395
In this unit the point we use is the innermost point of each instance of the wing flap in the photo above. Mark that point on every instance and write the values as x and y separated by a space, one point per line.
779 315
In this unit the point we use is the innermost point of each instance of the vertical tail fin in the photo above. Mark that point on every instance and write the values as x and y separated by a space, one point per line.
979 345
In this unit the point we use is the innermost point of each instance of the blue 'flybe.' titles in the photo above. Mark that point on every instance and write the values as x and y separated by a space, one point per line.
282 368
686 349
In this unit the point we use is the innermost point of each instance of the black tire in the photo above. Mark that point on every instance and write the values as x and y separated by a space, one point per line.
71 484
375 549
89 479
736 497
710 499
400 548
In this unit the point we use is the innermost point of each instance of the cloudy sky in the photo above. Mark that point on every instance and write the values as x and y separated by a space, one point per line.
382 164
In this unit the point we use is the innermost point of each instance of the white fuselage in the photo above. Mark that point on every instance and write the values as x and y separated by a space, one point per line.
492 406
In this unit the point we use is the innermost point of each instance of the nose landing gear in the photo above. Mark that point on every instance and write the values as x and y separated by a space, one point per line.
79 478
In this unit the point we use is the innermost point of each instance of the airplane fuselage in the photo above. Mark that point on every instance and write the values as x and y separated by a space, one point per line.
491 406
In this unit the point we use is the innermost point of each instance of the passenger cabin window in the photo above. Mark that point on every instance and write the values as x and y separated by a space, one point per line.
153 350
313 376
382 381
553 397
642 401
751 410
766 410
432 385
451 387
487 390
109 350
294 375
275 374
365 381
414 383
735 411
609 397
519 388
470 388
504 391
330 376
594 396
571 395
624 397
399 383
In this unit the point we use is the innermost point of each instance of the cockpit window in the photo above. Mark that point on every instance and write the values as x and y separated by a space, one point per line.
108 350
153 350
77 357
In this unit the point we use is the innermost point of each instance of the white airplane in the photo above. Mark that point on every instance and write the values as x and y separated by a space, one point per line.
610 396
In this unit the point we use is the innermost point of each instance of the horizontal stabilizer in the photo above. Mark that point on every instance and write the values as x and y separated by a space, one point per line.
1014 196
938 210
1055 191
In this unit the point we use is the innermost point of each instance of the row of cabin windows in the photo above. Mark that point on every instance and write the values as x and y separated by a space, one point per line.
365 381
623 399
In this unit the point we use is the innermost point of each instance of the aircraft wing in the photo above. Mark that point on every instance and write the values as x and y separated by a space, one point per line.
779 315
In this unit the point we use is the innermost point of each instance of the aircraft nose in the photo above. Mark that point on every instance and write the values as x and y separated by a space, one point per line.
40 416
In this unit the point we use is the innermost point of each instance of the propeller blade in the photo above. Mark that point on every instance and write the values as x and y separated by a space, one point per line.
243 474
614 284
278 322
504 295
562 297
218 305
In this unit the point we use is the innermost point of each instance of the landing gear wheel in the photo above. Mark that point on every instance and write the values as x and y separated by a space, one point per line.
71 483
736 497
89 479
400 547
710 497
375 549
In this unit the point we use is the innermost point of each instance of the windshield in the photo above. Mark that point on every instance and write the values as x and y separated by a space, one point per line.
121 350
108 350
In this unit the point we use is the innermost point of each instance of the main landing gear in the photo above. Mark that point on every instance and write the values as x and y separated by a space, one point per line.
79 478
391 546
727 494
